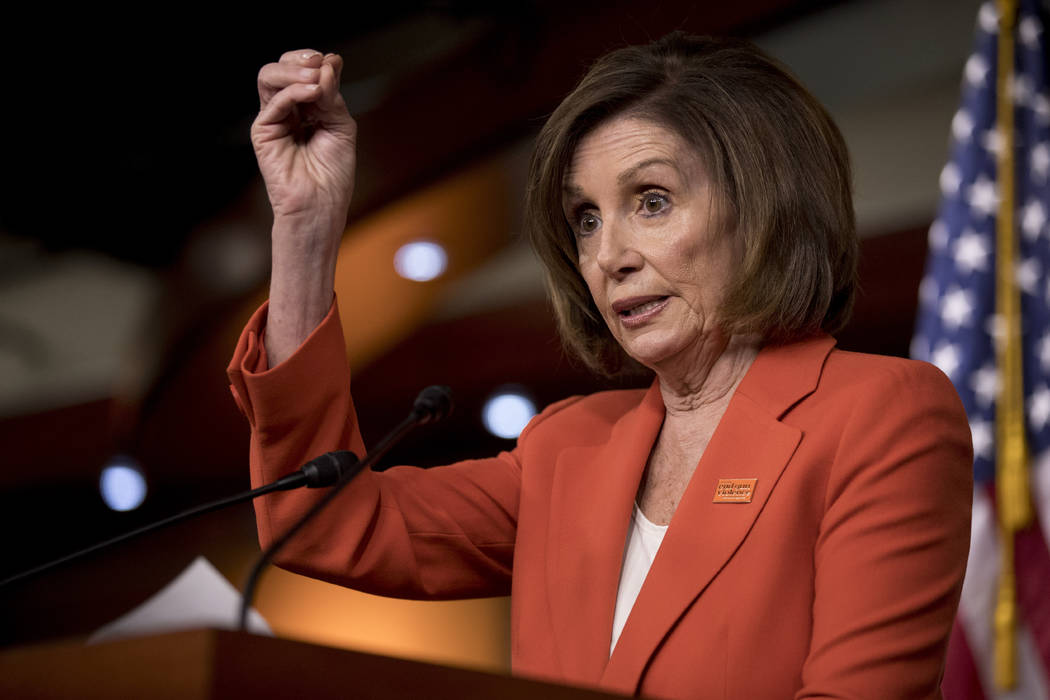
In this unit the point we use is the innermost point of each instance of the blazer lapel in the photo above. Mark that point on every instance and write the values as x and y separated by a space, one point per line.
749 443
592 495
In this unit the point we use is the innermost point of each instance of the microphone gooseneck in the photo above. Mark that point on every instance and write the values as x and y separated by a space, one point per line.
433 404
322 471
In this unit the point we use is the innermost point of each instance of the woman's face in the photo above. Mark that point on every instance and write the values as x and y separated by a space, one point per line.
648 238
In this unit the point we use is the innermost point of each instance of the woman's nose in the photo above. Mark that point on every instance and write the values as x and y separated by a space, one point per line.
618 255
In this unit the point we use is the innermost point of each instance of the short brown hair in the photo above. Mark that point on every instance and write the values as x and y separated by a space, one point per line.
777 162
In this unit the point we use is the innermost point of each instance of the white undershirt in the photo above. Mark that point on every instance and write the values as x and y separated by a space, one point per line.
643 540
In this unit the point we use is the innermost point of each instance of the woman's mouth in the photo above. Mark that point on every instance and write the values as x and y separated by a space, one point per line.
642 308
639 309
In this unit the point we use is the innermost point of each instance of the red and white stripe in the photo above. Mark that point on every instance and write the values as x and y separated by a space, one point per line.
970 672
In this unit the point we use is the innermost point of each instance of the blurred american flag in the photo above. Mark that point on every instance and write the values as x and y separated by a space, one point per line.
956 328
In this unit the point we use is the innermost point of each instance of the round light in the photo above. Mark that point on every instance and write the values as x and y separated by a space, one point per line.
506 414
122 484
420 261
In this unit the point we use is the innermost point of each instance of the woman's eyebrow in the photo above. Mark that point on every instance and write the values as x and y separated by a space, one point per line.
572 190
572 196
632 172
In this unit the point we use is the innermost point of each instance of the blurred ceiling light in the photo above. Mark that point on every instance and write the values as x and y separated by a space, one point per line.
420 261
507 413
122 484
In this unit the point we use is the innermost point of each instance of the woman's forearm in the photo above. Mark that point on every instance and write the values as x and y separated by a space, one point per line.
301 284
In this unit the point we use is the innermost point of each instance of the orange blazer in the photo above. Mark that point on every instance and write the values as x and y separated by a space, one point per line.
839 579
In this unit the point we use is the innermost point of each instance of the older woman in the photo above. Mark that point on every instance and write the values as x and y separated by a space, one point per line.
772 518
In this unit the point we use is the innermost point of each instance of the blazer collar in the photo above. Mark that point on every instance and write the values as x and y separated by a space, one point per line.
783 375
593 494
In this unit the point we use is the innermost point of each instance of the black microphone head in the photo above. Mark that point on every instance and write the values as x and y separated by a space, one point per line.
328 468
433 404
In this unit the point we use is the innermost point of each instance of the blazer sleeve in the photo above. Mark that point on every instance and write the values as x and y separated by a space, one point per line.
446 532
892 547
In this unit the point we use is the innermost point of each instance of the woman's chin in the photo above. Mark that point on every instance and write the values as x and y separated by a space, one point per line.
674 352
656 355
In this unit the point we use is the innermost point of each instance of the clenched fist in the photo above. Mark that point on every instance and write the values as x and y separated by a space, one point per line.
304 137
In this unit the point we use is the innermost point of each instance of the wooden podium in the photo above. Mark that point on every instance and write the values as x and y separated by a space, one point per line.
219 664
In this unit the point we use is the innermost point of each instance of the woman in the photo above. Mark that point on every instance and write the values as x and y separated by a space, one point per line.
772 518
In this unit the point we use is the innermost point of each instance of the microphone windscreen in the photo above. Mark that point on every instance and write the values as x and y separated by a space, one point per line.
328 468
433 404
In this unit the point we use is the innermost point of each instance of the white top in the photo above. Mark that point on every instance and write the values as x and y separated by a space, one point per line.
643 540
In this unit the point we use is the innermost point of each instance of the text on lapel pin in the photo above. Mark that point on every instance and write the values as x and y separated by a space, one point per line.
735 490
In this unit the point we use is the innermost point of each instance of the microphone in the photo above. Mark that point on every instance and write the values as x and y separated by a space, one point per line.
321 471
433 404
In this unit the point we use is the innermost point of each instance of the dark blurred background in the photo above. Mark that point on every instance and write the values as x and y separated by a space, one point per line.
134 246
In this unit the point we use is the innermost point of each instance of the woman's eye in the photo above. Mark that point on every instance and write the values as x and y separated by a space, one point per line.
589 223
653 202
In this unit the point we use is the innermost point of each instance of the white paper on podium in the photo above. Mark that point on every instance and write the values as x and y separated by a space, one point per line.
198 597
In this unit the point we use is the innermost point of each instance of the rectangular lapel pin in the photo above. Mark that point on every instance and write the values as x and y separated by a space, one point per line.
735 490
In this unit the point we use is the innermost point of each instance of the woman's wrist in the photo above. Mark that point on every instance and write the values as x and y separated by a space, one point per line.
313 234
